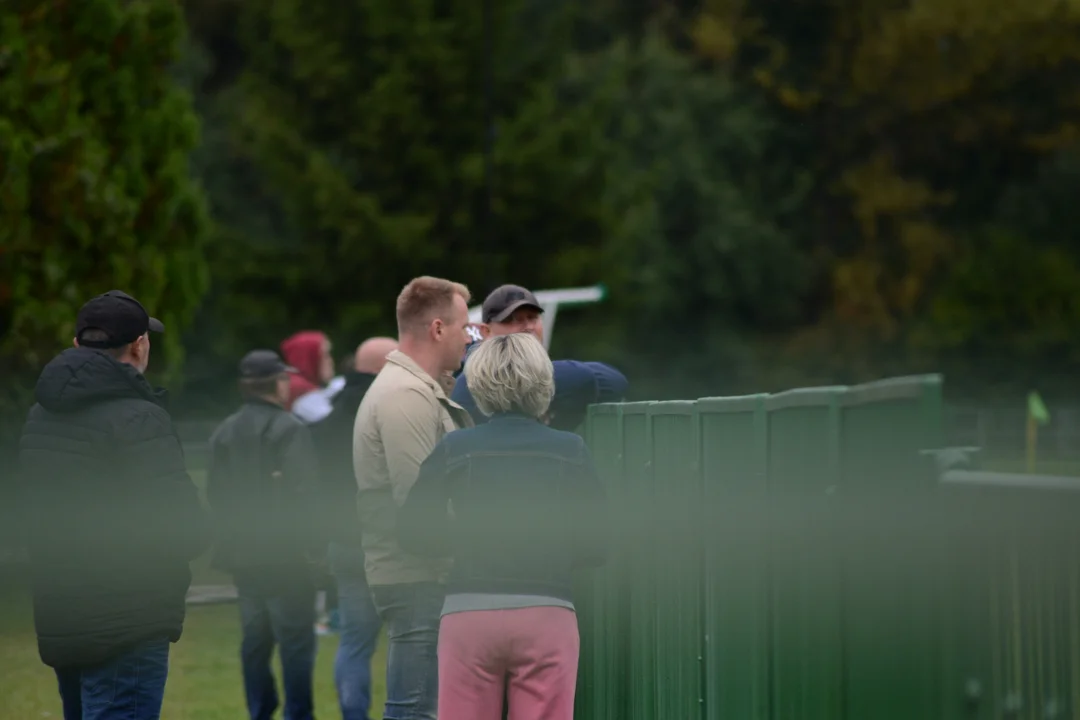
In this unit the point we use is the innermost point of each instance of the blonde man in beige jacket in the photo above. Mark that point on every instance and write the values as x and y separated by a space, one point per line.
403 416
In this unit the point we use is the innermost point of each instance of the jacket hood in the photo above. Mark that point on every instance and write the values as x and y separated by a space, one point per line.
81 377
303 351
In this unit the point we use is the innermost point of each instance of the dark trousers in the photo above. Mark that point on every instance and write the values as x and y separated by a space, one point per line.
283 616
128 687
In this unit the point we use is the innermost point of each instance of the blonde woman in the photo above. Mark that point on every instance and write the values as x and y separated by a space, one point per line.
518 507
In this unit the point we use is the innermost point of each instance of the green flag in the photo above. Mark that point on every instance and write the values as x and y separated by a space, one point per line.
1036 410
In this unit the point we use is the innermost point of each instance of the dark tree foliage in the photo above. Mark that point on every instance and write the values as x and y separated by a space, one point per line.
95 188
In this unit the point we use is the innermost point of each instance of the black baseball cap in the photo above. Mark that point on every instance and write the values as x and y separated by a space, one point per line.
263 364
121 317
504 300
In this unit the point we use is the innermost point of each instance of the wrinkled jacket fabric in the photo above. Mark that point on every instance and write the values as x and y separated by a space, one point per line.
113 518
262 488
528 509
402 417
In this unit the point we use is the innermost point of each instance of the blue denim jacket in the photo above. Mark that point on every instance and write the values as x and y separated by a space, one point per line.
515 503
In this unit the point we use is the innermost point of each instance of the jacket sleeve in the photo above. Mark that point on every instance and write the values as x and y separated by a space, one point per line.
423 521
163 502
593 524
580 384
409 425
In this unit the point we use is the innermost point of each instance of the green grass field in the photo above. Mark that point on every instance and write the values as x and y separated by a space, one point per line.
204 673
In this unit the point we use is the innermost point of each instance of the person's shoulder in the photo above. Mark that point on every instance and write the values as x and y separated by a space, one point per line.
568 442
408 390
224 428
138 416
284 422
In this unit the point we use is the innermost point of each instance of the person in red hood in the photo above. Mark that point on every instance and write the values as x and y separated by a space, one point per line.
309 353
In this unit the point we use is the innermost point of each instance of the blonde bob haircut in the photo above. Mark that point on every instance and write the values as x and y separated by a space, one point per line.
511 373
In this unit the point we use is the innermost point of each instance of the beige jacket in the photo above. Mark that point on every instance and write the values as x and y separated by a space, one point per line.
403 415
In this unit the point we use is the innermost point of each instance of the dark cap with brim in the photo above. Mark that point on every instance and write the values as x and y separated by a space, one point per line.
262 365
117 315
505 300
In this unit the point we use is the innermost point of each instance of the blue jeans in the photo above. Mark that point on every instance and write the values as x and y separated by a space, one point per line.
285 617
359 632
128 687
411 612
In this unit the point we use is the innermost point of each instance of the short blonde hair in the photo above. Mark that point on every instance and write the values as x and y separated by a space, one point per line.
424 299
511 373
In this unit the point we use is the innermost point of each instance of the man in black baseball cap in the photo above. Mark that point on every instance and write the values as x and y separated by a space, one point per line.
113 320
512 309
261 486
509 309
113 515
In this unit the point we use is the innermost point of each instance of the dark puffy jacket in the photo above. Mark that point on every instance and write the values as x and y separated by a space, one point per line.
261 486
113 518
333 441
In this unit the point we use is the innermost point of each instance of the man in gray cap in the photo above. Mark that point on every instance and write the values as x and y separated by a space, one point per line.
262 488
113 518
512 309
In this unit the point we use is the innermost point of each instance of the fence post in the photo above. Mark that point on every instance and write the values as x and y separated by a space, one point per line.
678 547
734 474
890 549
804 475
640 533
605 627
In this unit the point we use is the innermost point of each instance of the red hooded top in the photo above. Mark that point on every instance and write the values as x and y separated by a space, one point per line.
304 352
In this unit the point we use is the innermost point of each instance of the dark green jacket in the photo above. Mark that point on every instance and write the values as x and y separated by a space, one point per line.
262 488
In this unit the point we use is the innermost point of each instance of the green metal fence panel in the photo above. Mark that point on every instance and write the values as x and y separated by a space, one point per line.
804 472
733 460
884 425
890 570
606 631
679 567
641 529
794 557
1014 615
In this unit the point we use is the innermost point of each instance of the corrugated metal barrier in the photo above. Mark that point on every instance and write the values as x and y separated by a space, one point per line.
800 556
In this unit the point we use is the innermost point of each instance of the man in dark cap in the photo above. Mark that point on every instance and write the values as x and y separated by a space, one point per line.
113 518
261 486
512 309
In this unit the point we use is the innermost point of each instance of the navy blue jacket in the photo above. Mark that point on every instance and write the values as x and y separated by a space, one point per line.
515 503
577 386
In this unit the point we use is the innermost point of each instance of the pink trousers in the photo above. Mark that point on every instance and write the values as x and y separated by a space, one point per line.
531 652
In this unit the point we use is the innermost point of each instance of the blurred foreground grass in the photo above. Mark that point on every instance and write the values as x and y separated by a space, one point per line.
204 667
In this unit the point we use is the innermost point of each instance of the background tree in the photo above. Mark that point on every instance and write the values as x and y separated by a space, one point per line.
702 258
95 188
917 117
364 124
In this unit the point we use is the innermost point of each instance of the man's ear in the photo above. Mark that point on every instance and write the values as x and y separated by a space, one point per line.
485 330
74 342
